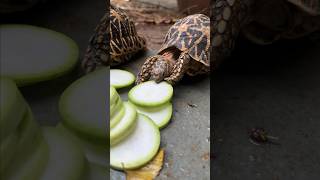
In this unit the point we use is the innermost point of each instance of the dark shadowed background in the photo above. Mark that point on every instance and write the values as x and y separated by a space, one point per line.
275 87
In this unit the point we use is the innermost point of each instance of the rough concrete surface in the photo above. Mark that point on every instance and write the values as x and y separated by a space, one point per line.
275 87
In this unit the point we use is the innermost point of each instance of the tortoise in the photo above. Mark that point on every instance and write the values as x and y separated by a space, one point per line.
185 51
261 21
289 19
123 37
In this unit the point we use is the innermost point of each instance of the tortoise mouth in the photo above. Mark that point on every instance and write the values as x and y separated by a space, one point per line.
157 76
157 79
161 69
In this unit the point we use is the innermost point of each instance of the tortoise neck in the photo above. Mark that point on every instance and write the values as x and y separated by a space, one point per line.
168 56
171 54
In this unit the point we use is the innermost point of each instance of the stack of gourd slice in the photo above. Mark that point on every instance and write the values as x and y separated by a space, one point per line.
149 98
134 138
66 160
31 152
134 125
153 100
31 54
24 153
120 78
83 109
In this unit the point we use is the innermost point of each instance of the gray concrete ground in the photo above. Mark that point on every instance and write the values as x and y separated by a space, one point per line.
275 87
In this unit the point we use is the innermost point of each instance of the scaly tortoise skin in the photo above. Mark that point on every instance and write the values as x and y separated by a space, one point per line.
185 50
261 21
120 31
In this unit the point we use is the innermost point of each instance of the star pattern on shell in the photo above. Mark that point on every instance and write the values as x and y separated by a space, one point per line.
191 35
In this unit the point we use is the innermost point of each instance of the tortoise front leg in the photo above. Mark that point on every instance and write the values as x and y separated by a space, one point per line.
146 69
179 69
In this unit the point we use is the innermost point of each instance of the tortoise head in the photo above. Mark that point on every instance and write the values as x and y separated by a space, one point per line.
161 69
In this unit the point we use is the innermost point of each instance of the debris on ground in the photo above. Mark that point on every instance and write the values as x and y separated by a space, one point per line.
143 12
206 156
149 171
152 21
192 105
260 136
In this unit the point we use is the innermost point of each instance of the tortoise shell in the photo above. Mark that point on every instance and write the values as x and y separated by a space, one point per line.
123 38
289 19
97 51
192 35
311 7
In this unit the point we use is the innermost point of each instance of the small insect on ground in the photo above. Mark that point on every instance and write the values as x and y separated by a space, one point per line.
258 136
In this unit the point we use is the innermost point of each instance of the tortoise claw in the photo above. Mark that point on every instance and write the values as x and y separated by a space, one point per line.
145 70
140 79
169 81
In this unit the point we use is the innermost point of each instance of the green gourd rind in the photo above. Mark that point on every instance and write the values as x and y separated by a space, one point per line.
94 152
31 164
159 115
138 148
96 172
12 107
121 78
151 94
125 126
83 105
30 141
66 159
29 130
114 96
116 107
49 54
21 140
8 148
116 118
